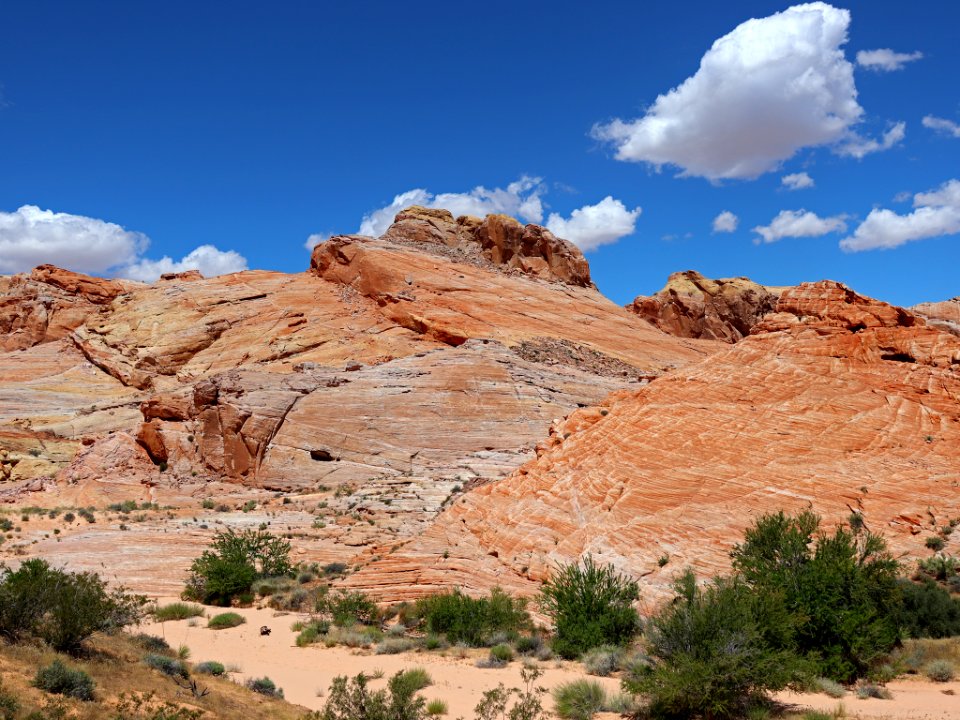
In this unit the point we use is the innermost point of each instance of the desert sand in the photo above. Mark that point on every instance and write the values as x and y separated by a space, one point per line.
305 673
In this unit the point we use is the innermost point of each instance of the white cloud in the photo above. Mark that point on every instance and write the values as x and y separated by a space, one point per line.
520 199
948 127
762 92
591 226
30 236
207 259
725 222
797 181
936 213
799 223
856 146
885 59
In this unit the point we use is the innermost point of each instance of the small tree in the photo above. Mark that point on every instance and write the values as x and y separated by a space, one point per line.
232 564
710 654
353 700
590 605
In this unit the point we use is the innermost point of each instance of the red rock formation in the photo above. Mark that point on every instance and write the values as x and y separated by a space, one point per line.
944 315
835 402
693 306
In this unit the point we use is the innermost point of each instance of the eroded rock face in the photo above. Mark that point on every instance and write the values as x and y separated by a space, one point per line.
835 402
693 306
49 303
944 315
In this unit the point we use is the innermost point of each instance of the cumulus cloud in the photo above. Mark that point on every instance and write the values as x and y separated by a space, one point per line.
30 236
885 59
725 222
207 259
588 227
797 181
519 199
591 226
936 213
768 88
857 146
947 127
799 223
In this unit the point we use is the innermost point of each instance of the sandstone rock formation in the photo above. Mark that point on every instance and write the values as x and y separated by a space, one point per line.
693 306
944 315
835 402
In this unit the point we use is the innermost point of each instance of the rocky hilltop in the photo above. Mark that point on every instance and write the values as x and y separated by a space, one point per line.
835 401
392 375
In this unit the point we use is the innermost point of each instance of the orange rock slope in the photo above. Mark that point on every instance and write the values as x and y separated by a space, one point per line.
835 402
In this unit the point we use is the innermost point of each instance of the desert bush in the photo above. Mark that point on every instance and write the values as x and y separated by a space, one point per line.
226 620
502 652
61 608
210 667
311 632
434 642
471 620
264 686
829 687
940 567
232 564
416 678
528 705
578 699
934 542
710 656
528 644
437 707
347 608
835 597
590 605
345 636
394 645
167 665
152 643
928 610
869 690
939 671
61 679
353 700
177 611
602 661
9 705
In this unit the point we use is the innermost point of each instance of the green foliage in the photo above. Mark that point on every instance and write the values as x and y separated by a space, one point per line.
311 632
226 620
528 705
394 645
471 620
437 707
829 687
61 679
578 699
353 700
416 678
602 661
143 706
9 705
346 608
152 643
234 561
264 686
177 611
502 653
590 605
167 665
940 671
59 607
928 610
940 567
839 592
711 656
934 542
210 667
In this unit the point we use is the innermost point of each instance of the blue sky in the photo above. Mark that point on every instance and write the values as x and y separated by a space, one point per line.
252 126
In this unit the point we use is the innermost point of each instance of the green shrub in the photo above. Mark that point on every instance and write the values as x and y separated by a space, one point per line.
873 691
437 707
502 653
210 667
226 620
264 686
232 564
590 605
710 654
939 567
578 700
934 542
837 598
177 611
939 671
60 679
167 665
528 644
352 700
334 569
471 620
416 678
348 608
311 632
59 607
928 610
9 705
829 687
434 642
528 705
152 643
602 661
392 646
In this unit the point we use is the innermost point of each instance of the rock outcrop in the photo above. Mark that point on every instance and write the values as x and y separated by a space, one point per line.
944 315
835 402
693 306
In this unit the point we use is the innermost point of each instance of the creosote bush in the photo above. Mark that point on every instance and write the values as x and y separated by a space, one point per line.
226 620
472 620
590 605
60 679
264 686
